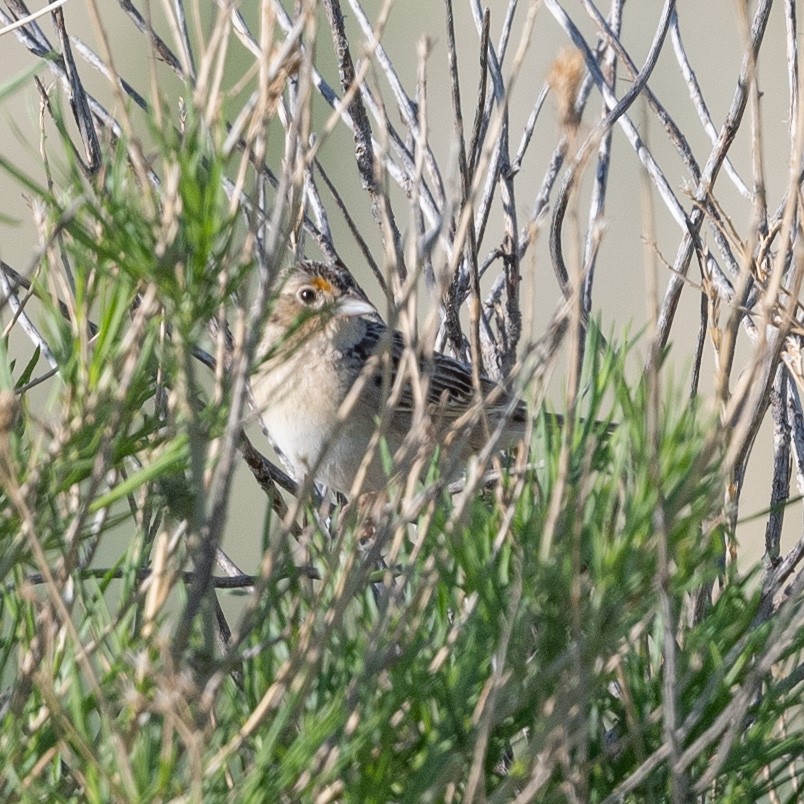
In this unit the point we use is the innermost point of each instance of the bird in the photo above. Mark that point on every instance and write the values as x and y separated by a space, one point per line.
325 375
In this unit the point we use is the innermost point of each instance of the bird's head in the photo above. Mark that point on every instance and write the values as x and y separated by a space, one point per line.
313 296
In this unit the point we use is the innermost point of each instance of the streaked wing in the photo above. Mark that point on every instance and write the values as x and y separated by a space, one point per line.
449 389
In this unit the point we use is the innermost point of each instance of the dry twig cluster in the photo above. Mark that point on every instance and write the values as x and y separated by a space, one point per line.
448 231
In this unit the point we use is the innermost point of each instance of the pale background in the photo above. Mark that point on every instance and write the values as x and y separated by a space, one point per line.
714 45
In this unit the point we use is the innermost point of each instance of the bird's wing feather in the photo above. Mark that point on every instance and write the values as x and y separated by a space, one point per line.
449 381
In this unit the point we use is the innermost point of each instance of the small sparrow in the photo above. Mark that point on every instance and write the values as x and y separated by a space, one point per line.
325 380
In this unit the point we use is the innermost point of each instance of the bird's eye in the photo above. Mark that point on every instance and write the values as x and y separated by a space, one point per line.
307 295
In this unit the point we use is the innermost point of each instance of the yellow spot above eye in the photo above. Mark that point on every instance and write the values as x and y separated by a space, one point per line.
321 284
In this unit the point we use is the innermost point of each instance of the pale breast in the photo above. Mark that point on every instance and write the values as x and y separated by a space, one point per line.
298 406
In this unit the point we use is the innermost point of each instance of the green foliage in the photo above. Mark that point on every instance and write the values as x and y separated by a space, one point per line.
470 648
509 634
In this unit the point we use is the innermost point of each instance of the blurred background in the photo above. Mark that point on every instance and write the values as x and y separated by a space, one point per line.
715 46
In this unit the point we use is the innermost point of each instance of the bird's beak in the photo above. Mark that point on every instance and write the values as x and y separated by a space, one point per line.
354 306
